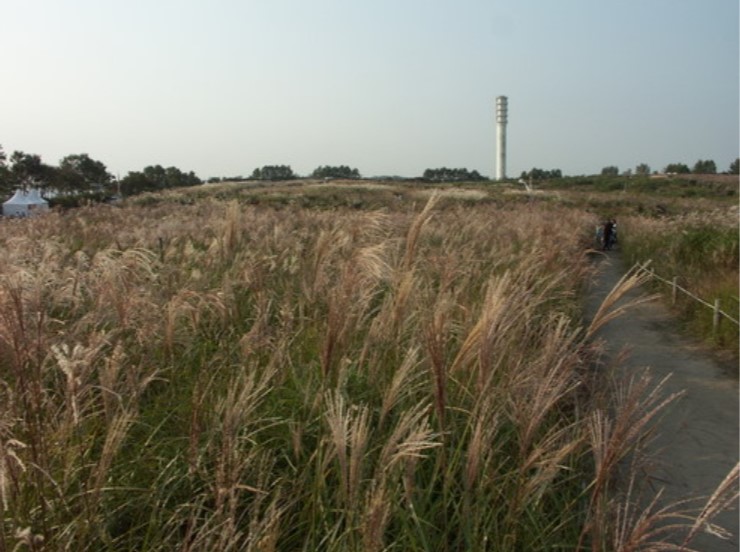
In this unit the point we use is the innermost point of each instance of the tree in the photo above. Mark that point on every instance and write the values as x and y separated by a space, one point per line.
161 179
342 171
155 178
5 183
175 178
67 180
676 168
704 167
88 173
611 170
643 169
542 174
274 172
27 170
735 166
135 182
444 174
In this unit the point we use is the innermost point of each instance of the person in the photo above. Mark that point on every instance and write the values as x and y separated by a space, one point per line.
600 235
614 231
608 234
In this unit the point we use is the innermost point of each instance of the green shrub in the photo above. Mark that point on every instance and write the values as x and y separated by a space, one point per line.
702 252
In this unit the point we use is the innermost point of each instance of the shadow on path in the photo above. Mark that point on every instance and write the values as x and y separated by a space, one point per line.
696 440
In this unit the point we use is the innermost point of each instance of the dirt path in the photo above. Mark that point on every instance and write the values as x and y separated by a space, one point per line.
696 442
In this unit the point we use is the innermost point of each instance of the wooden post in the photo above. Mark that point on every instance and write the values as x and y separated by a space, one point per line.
674 289
716 318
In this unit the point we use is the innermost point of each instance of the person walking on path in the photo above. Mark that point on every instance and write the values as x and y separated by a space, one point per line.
609 234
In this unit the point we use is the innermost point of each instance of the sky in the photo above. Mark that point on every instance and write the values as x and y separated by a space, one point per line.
390 87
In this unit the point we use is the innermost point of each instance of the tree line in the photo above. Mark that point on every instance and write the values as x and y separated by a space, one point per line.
541 174
444 174
285 172
156 178
342 171
80 175
702 166
76 173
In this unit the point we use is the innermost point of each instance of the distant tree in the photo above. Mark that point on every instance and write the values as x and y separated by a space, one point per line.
433 174
175 178
611 170
735 166
542 174
216 179
5 184
193 179
171 177
27 170
342 171
273 172
156 177
704 167
676 168
135 182
445 174
93 170
643 169
68 181
87 173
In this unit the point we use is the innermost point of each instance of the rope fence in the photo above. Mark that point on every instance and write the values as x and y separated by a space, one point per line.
675 288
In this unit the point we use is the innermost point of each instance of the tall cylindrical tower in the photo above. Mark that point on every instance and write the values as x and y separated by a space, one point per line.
502 114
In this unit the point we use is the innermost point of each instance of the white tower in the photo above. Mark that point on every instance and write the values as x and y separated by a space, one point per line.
502 113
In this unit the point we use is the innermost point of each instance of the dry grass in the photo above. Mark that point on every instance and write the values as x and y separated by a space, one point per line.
210 375
701 250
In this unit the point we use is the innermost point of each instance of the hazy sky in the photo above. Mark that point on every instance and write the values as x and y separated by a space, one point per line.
391 87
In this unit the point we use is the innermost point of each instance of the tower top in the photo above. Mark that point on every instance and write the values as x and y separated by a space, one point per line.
502 108
502 105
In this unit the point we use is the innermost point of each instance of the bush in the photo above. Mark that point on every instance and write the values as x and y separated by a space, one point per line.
701 250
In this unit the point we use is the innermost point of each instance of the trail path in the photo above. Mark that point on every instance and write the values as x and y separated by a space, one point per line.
696 442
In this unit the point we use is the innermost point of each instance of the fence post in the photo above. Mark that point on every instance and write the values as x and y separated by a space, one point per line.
674 289
716 317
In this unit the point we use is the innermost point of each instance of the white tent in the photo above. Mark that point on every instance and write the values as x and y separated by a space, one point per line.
25 203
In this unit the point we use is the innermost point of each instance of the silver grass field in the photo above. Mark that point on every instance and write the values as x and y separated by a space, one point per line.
406 373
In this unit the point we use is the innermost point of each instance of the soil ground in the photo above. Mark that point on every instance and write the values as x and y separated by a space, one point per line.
695 444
